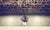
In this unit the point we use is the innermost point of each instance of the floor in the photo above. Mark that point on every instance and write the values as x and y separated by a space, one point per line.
34 20
24 28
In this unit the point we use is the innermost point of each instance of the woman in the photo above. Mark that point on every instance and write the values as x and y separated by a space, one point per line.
24 20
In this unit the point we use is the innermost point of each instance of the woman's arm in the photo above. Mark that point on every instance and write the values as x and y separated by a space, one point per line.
27 20
21 20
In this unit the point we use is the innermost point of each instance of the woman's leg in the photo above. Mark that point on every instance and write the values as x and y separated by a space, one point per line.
24 23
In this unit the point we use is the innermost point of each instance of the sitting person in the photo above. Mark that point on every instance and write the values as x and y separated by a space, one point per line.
24 20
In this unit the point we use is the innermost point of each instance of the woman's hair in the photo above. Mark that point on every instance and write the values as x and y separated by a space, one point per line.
24 16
